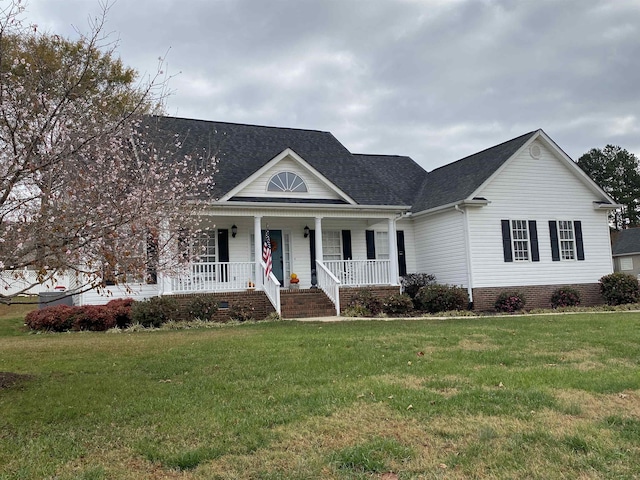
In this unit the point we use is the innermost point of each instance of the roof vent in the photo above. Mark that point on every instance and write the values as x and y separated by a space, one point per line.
534 150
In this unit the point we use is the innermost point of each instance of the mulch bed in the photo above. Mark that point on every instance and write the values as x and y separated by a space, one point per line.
8 379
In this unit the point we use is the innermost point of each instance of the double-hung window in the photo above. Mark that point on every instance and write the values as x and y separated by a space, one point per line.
520 240
566 240
331 245
382 245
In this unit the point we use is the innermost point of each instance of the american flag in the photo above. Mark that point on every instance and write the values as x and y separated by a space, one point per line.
266 253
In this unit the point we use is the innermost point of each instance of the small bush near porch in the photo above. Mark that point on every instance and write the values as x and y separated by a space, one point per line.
553 396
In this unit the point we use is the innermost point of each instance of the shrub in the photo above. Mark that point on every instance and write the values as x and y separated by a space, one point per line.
242 313
94 317
510 302
398 304
370 303
203 307
58 318
413 282
121 310
154 311
356 311
619 288
565 297
442 298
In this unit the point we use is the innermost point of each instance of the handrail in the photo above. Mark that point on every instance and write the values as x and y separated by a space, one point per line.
329 284
271 288
359 273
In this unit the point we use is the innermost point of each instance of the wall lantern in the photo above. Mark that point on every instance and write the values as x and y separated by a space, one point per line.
306 231
234 230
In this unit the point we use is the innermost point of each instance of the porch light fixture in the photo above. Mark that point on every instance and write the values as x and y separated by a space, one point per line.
234 230
306 231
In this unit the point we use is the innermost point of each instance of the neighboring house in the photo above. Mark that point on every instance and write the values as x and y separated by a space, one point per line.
626 251
520 215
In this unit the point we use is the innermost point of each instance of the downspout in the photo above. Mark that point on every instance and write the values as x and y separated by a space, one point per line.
467 246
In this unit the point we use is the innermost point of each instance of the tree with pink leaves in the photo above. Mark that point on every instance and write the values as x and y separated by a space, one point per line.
87 186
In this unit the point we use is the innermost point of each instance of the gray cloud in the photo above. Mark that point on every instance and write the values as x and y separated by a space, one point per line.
432 79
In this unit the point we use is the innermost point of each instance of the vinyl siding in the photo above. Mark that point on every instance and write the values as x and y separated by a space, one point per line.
540 189
316 187
440 247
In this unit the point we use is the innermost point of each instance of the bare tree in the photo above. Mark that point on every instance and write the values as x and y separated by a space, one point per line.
86 184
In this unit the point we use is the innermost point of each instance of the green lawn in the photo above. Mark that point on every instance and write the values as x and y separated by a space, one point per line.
507 397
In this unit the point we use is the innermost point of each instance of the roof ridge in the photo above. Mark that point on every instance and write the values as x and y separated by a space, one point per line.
487 149
379 155
201 120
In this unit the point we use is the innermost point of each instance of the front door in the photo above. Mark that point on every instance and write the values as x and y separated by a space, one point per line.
276 254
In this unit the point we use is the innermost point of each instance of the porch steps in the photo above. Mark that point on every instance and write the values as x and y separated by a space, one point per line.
306 303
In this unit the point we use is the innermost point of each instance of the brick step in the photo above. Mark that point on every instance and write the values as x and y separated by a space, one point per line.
306 303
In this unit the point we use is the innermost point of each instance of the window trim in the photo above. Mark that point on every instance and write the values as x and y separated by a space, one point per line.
338 234
572 240
521 226
294 185
509 240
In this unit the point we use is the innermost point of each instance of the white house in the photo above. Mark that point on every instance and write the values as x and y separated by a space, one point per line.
520 215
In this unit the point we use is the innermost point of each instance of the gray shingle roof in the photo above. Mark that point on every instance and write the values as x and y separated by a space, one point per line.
403 174
626 242
458 180
244 149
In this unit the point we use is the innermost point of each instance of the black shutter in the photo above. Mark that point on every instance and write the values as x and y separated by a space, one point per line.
346 245
553 236
402 261
312 248
533 237
506 241
577 226
223 253
371 244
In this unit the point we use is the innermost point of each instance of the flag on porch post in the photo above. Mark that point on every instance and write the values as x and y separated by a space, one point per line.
266 253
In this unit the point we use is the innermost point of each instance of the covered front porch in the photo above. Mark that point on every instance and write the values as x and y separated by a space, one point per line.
322 249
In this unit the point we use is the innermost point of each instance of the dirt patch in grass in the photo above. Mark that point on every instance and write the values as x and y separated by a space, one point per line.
477 343
598 406
410 382
8 379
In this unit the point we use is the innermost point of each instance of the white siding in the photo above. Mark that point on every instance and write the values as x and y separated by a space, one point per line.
440 247
540 189
316 187
137 291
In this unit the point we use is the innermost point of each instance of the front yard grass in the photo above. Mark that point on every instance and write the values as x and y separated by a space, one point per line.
554 396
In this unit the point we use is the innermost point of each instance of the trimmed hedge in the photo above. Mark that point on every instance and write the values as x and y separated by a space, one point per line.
413 282
154 311
565 297
62 318
620 288
509 302
442 298
397 304
366 303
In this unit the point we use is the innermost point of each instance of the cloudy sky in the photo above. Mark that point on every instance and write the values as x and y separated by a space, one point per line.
433 79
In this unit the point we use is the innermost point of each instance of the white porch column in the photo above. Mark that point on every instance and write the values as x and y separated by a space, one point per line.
319 254
164 249
257 248
393 252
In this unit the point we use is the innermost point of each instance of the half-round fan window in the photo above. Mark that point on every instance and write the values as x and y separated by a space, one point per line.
286 182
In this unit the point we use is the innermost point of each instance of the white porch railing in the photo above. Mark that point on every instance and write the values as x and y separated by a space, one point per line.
26 281
214 277
329 284
357 273
271 287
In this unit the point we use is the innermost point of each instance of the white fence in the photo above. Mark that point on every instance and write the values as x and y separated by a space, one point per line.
214 277
25 281
357 273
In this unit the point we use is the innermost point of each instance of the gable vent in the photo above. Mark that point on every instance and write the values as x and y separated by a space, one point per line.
534 150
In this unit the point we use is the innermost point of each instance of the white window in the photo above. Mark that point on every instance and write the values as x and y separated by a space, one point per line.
382 245
626 263
331 245
567 240
286 182
520 240
204 247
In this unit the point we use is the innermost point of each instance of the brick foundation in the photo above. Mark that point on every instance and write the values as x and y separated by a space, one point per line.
347 293
537 296
249 299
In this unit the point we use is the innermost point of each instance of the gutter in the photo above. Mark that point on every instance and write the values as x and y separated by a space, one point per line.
475 202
